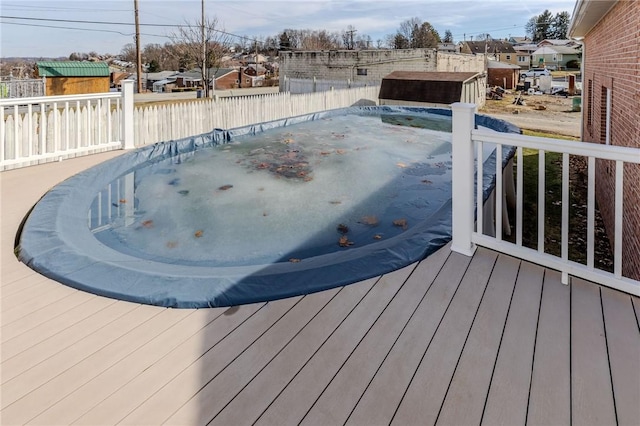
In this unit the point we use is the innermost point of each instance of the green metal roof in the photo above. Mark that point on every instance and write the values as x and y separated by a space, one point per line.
72 69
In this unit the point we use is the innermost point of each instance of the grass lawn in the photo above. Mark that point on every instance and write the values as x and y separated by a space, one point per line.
553 207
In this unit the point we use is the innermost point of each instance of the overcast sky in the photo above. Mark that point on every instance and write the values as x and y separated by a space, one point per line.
500 18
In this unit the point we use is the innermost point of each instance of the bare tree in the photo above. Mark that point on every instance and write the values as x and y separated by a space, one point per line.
128 52
407 28
190 44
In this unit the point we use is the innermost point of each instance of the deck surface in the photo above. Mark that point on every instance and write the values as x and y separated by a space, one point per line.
449 340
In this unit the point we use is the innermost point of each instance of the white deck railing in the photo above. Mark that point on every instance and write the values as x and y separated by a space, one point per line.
467 214
51 128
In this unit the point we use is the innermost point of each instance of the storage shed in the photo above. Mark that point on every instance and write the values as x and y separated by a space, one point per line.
503 75
432 89
74 77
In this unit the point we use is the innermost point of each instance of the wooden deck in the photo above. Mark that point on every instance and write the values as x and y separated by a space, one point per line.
450 340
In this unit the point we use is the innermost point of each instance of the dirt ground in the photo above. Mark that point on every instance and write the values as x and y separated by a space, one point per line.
541 113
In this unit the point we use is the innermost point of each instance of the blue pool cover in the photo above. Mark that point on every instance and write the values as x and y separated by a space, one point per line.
54 242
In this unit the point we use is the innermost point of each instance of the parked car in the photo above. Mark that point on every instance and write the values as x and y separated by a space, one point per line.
536 72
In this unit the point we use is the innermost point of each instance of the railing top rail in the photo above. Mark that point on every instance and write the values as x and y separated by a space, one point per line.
64 98
605 152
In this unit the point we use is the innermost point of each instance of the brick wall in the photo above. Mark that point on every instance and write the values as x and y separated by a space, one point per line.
371 65
612 61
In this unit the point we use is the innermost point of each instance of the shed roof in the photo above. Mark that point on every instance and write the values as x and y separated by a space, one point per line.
72 69
430 87
497 64
489 46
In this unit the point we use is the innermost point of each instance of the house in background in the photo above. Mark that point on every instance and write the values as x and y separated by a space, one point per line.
611 107
74 77
523 54
558 42
498 50
556 57
226 78
517 41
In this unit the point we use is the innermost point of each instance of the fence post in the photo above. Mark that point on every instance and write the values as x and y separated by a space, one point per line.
463 122
128 140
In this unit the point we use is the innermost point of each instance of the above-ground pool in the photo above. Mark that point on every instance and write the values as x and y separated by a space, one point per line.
254 214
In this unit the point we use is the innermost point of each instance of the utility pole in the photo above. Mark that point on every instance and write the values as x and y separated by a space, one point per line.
205 83
351 46
138 54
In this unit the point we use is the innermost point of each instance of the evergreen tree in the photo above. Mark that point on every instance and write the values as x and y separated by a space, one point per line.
560 25
448 37
539 26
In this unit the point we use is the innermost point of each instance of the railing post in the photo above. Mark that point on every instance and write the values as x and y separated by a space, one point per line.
127 115
463 121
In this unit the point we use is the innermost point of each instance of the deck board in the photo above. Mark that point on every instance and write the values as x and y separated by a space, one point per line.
43 318
466 396
152 379
341 395
221 389
509 390
623 344
450 339
383 395
67 381
426 392
291 405
591 393
256 397
213 360
550 394
53 327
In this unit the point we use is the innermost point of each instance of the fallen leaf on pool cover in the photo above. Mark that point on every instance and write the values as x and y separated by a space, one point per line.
198 233
402 223
342 228
401 165
377 237
225 187
122 200
294 260
172 244
344 241
147 223
369 220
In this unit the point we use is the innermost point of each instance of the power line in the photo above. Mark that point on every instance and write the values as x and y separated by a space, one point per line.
33 8
81 29
78 21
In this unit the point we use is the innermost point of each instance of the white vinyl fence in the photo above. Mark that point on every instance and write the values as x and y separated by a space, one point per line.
313 85
52 128
180 120
468 217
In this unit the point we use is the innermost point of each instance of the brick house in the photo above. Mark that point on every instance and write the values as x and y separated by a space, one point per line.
611 106
501 51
